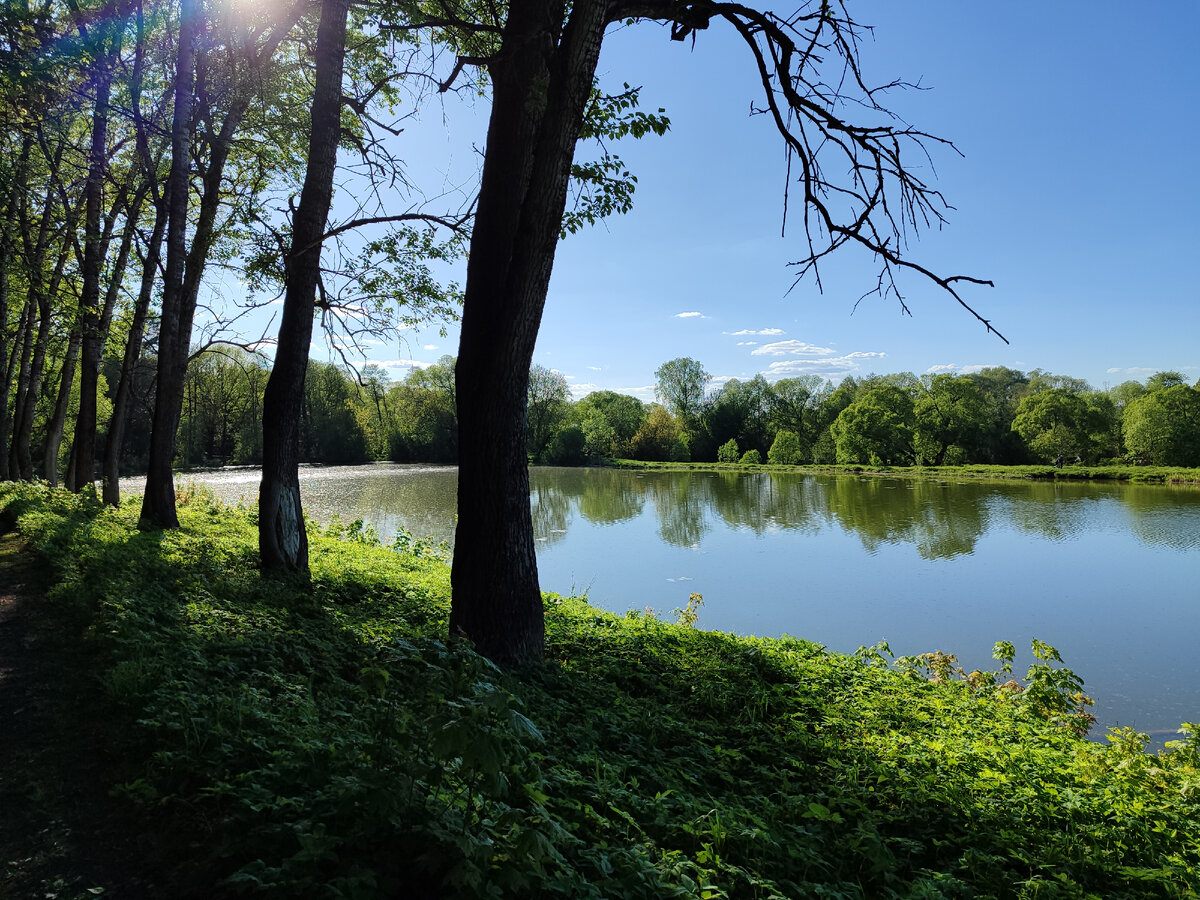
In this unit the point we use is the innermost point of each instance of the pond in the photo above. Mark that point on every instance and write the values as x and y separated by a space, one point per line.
1107 573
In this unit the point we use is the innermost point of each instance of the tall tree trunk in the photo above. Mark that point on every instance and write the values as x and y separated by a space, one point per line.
24 340
93 261
133 350
58 421
46 292
282 542
6 257
541 86
185 267
158 502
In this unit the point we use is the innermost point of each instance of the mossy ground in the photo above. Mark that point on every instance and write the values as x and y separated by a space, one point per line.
323 740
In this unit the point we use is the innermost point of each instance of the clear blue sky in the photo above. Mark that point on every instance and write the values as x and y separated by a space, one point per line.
1077 196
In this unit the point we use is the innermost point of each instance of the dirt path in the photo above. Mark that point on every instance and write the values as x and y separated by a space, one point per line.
61 836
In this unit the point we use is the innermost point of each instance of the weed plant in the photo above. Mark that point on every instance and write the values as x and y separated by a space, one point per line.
323 740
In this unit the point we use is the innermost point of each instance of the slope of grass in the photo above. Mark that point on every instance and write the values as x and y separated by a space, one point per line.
326 741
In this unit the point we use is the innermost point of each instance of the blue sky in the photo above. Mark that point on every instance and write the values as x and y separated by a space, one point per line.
1077 195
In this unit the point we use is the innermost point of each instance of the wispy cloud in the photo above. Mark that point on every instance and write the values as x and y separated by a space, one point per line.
747 343
828 366
593 368
404 364
1138 371
952 367
645 393
791 348
429 347
763 331
690 315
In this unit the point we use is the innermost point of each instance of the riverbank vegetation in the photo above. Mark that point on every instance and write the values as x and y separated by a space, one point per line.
997 423
272 741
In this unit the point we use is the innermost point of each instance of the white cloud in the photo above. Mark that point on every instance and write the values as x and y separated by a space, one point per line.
404 364
1133 370
644 393
938 370
828 366
721 379
593 368
791 348
582 390
429 347
747 343
690 315
767 331
961 370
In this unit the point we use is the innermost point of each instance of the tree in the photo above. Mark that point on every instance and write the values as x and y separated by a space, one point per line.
728 452
623 414
239 70
785 450
661 438
741 410
680 384
857 189
877 428
952 416
1162 427
548 397
1054 423
282 541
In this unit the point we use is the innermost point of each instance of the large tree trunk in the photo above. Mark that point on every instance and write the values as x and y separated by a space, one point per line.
89 299
23 340
283 544
46 292
158 502
7 223
58 421
185 267
541 86
133 351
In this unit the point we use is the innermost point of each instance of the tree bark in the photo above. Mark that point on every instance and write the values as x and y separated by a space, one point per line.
158 501
185 267
133 350
6 257
283 544
542 79
58 421
93 260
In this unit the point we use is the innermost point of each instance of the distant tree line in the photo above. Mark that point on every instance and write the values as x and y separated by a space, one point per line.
997 416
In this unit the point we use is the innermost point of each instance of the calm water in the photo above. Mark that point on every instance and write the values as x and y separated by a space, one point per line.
1109 574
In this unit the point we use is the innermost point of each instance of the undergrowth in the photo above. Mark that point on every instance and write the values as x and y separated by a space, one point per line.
325 741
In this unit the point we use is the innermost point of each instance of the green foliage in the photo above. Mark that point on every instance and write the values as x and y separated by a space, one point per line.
605 186
728 452
680 384
877 428
660 438
785 450
1162 427
329 742
751 458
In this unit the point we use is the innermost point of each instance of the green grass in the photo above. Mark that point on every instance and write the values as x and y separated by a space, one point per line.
328 742
1136 474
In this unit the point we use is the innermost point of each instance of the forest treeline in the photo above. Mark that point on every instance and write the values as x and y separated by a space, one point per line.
995 416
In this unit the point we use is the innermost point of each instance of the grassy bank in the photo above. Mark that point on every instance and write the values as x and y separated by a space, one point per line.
329 743
1134 474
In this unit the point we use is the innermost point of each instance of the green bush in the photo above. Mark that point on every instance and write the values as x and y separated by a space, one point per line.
752 457
728 451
